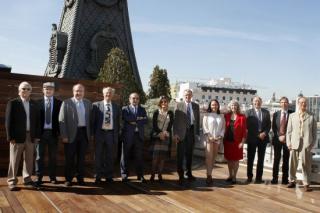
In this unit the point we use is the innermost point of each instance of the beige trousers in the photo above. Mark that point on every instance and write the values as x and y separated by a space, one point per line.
305 156
16 151
211 154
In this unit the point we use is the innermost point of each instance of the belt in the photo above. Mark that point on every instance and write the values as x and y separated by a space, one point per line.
107 130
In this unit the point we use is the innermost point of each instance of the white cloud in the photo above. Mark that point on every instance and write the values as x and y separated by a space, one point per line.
210 32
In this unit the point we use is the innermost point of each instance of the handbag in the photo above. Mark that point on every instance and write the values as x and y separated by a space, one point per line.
155 135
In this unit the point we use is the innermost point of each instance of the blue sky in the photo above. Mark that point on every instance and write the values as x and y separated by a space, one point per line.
270 44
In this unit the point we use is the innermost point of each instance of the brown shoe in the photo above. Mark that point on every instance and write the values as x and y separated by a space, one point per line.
291 185
307 188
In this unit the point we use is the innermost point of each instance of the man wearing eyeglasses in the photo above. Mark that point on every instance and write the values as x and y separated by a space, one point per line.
106 120
23 131
134 118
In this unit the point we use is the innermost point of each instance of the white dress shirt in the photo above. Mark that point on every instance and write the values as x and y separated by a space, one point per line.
26 106
81 112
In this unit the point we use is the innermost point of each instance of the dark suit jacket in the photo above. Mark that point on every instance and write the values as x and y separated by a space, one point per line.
253 126
55 115
276 125
16 123
127 117
181 119
97 118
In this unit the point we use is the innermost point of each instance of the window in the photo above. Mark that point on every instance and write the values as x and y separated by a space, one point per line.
238 99
209 97
217 97
223 98
244 99
203 97
230 98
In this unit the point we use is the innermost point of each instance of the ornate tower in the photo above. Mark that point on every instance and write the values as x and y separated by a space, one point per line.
87 31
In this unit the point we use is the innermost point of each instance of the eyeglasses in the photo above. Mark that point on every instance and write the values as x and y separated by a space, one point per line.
27 89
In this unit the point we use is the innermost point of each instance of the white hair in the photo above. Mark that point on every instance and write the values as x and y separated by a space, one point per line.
112 90
24 84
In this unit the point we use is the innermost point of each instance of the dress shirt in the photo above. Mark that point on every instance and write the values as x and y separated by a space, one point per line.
26 106
81 112
191 111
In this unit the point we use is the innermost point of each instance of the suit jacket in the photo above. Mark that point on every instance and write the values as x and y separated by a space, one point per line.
98 116
68 119
253 126
15 121
181 119
129 129
55 115
276 125
309 131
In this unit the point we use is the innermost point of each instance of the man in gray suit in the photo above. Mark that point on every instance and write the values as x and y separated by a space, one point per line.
106 120
301 137
75 124
185 128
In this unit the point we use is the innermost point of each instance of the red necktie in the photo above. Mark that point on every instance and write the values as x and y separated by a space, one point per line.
283 123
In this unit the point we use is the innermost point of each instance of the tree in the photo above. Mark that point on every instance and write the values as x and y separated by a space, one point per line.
116 70
159 83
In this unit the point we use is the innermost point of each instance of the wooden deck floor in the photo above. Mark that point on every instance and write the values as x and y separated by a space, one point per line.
166 197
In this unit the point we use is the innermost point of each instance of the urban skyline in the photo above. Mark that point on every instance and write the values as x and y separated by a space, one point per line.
272 46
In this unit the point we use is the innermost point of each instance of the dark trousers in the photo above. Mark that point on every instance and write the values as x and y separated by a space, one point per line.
136 143
278 147
50 141
185 150
75 152
105 147
252 147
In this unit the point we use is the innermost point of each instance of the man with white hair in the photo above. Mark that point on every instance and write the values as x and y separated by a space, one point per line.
300 138
106 123
23 131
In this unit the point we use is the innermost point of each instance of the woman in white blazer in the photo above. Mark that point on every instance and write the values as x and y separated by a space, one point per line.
213 130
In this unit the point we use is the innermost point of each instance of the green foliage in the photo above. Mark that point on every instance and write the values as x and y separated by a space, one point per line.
159 83
117 70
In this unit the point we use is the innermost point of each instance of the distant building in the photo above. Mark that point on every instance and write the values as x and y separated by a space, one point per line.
223 89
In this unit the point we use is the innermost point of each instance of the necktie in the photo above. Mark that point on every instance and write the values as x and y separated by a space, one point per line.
259 119
189 115
107 115
48 111
282 130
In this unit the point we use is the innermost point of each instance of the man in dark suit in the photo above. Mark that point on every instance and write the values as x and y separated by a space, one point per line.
279 128
106 120
23 131
185 128
49 120
75 130
134 118
258 126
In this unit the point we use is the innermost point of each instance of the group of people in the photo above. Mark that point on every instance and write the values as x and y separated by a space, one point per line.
38 125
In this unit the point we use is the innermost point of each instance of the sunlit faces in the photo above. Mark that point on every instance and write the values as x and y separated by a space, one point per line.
164 104
284 104
302 102
234 107
188 96
78 91
134 99
257 102
48 91
214 106
25 90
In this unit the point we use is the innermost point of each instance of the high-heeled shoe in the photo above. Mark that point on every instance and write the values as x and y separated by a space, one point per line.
209 180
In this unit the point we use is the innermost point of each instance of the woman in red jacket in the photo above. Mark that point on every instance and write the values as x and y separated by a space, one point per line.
235 136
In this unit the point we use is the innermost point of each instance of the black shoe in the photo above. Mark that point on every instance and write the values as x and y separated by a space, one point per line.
152 178
160 178
109 180
125 180
258 181
249 180
229 180
181 180
97 181
68 183
274 181
13 188
141 179
234 181
191 177
291 185
30 184
285 182
81 183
